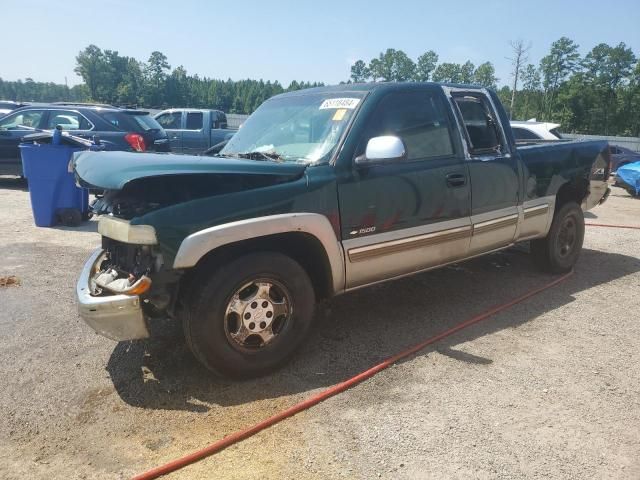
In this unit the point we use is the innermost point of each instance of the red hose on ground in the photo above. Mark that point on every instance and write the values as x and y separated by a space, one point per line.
612 226
329 392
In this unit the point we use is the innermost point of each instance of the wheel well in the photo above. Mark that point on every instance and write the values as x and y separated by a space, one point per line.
304 248
575 191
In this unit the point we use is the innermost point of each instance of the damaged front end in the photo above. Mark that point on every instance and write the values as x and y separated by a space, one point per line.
129 285
116 294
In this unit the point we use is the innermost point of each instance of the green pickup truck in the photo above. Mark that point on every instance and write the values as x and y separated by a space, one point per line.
321 192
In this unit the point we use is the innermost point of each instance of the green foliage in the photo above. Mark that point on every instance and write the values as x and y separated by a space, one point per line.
31 91
485 75
359 72
425 66
448 72
598 94
114 79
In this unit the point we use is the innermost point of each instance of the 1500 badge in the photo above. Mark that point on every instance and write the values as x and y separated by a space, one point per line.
362 231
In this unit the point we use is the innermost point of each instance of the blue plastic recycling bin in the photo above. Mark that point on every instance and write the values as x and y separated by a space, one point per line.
52 186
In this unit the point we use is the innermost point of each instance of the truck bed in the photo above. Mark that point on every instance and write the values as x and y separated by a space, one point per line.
553 163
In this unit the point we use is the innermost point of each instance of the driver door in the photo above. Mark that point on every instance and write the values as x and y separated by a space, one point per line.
404 216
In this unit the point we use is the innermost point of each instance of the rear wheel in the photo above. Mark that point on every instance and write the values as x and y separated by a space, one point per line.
249 316
558 252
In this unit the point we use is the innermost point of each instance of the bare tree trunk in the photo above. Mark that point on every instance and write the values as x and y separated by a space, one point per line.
520 57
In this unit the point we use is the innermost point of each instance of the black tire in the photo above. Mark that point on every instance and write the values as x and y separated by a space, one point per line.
558 252
208 325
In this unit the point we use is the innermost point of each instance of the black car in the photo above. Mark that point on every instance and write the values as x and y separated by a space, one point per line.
117 128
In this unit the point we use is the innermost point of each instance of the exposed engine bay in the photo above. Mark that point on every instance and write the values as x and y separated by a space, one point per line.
146 194
125 268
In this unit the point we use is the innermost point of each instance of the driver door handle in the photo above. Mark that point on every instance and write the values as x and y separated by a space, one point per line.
456 180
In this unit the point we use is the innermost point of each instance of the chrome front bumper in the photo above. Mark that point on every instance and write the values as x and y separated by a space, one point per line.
118 317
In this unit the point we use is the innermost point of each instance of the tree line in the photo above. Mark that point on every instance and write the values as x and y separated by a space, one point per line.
598 93
396 66
111 78
595 94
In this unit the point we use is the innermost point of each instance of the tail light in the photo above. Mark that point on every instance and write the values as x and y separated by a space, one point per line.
136 141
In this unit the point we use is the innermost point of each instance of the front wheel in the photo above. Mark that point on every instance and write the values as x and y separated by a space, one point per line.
249 316
558 252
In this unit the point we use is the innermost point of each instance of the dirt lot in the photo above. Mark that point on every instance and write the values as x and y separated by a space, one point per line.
547 389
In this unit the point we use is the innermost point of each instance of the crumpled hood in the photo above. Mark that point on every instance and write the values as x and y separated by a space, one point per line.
113 170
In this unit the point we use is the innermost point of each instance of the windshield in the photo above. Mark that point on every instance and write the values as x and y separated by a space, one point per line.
302 128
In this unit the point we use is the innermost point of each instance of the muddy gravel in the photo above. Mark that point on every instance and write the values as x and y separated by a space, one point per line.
547 389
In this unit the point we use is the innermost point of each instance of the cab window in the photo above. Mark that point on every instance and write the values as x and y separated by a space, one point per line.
170 120
194 121
482 134
418 118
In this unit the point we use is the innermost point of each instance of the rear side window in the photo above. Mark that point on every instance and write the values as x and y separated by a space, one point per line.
524 134
170 120
145 122
555 133
481 126
130 122
418 118
218 120
68 120
194 121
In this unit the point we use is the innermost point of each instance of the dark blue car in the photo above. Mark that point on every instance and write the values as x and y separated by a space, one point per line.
621 156
117 128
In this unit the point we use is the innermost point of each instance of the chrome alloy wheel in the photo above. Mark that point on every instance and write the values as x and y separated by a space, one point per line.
257 313
567 236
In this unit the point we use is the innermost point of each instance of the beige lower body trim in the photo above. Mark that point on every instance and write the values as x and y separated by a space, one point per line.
378 257
536 218
198 244
493 229
422 270
381 257
410 243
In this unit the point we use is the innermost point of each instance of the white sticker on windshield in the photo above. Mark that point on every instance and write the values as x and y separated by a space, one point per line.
349 103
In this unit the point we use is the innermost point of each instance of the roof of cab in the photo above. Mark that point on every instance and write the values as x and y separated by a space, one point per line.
368 87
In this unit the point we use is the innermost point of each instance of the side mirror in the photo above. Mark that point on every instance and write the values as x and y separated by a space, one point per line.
383 149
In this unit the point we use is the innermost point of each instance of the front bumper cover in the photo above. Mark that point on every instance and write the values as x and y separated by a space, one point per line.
118 317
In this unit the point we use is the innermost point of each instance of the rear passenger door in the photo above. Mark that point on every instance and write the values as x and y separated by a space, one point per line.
70 121
195 139
171 122
494 172
408 215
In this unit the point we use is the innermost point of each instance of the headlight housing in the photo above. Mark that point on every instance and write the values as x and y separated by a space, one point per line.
122 231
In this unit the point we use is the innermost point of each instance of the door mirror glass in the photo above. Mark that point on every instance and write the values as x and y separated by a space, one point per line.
384 149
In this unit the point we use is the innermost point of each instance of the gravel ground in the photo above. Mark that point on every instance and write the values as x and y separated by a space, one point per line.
548 389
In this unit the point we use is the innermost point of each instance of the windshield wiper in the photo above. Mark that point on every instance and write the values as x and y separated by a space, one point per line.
257 155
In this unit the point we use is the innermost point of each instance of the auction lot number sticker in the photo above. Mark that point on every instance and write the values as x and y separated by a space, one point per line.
349 103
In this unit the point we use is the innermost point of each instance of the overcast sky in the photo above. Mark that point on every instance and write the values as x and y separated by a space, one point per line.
302 40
